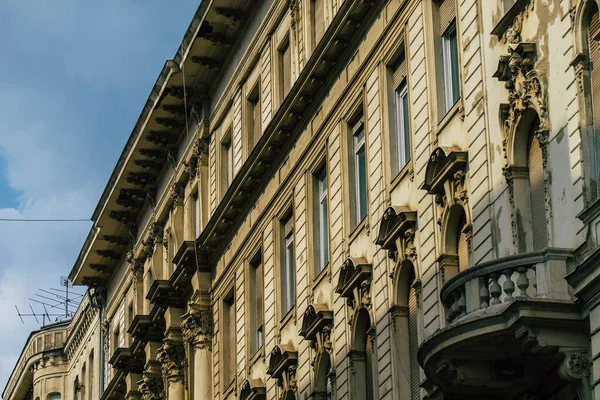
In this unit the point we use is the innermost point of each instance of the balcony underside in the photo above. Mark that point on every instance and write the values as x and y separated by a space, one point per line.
507 350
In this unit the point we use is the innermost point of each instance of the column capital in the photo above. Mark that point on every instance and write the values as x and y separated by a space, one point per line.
171 356
197 326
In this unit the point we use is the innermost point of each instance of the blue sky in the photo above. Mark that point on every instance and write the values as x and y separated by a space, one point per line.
74 77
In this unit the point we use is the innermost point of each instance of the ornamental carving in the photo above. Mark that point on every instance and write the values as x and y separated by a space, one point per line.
176 194
166 237
151 387
282 366
354 284
135 266
197 327
317 325
526 90
397 233
576 366
446 179
171 355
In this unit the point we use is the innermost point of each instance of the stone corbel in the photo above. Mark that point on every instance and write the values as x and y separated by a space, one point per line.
166 236
171 355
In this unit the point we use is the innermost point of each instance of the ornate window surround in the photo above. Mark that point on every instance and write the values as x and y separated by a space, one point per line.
354 284
397 233
253 389
283 362
527 101
317 325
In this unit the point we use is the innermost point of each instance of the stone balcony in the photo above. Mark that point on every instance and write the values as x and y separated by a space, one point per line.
512 328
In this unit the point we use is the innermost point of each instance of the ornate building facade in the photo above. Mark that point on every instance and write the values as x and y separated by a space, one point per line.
354 199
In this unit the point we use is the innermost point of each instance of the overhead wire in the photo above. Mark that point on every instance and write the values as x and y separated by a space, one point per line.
44 220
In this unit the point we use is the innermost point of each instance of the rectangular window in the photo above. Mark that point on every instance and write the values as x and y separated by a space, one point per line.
197 215
318 21
83 382
321 222
90 382
400 122
226 162
449 53
229 340
254 116
288 284
358 173
402 126
256 303
285 68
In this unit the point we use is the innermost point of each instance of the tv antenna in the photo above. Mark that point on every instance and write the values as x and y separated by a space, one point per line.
61 302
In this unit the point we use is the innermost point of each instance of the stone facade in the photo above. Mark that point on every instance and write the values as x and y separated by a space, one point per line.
358 200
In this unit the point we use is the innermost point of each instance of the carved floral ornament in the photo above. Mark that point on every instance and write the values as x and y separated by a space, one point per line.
171 355
283 361
151 387
197 327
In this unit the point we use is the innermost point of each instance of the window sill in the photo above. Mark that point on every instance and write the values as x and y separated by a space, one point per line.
455 109
322 275
291 314
362 226
408 169
259 355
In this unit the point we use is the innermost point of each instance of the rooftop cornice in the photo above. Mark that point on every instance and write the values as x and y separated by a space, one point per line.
144 156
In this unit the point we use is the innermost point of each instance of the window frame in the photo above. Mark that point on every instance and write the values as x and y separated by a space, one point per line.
321 217
229 355
256 261
450 66
286 239
225 159
253 105
359 156
285 44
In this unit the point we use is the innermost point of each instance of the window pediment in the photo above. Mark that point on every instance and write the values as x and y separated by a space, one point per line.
253 389
443 164
282 356
354 272
395 223
315 318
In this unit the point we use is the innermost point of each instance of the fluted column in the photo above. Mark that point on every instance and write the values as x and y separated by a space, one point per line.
172 358
197 333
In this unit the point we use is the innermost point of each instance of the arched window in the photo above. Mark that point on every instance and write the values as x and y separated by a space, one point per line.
363 359
54 396
457 239
537 195
322 368
406 343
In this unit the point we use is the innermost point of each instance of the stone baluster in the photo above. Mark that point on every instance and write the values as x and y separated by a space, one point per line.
523 282
508 286
484 293
495 289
